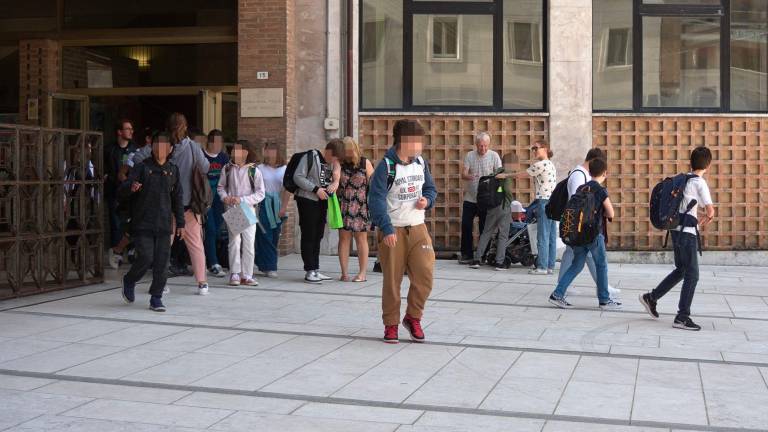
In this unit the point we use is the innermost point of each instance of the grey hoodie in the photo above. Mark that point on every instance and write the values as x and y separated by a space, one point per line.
182 158
309 181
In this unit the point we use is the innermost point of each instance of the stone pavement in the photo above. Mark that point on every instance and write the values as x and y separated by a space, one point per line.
287 356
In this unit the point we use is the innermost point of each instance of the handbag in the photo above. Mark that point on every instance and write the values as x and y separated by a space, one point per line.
240 217
335 221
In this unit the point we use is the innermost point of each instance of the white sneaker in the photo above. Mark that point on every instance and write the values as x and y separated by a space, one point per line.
322 276
166 290
612 305
114 259
217 271
613 291
234 280
550 271
312 277
250 281
271 274
202 289
539 272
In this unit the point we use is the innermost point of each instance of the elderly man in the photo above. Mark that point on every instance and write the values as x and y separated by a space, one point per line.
478 163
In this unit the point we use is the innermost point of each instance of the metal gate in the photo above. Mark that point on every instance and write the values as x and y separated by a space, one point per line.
51 209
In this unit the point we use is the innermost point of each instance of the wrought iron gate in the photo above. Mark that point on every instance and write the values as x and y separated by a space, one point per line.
51 209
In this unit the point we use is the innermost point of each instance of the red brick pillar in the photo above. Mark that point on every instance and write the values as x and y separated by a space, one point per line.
266 43
39 75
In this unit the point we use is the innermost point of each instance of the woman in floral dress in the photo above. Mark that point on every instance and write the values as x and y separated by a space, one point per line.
353 198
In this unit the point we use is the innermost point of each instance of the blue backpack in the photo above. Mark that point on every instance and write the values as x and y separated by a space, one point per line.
666 200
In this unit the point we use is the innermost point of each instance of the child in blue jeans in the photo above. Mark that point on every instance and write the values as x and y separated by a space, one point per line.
217 159
597 170
685 243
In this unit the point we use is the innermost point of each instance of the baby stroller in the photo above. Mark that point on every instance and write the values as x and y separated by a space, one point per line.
518 247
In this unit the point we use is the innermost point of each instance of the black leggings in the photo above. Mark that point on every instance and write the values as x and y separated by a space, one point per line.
312 216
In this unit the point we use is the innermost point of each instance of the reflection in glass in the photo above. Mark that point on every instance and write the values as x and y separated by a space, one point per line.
681 62
612 54
382 54
464 79
149 66
523 55
749 55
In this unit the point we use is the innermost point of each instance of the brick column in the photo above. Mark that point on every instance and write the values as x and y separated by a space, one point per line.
39 75
266 42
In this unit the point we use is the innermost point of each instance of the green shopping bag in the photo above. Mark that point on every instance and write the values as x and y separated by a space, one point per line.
335 220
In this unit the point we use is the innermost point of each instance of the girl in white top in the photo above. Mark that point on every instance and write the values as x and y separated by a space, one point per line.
272 210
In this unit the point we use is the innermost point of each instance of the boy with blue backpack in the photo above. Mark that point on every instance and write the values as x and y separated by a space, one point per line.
678 213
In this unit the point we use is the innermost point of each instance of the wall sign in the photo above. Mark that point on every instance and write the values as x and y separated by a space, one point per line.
261 102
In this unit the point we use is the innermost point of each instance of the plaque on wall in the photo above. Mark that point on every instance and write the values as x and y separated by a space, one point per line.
261 102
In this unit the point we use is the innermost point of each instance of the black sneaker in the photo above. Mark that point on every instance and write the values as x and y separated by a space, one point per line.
377 267
649 304
561 303
688 324
465 260
474 264
128 291
156 304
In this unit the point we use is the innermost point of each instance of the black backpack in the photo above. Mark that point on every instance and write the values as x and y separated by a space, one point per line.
490 193
580 223
290 169
559 198
666 200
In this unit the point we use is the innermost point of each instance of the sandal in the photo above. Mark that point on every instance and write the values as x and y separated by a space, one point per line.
344 278
357 279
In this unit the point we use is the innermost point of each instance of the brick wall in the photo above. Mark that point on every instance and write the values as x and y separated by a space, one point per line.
447 142
39 72
266 42
643 150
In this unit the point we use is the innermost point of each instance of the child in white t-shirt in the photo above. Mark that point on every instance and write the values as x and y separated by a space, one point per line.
685 243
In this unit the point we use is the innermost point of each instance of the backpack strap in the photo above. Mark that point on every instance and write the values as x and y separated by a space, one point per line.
391 172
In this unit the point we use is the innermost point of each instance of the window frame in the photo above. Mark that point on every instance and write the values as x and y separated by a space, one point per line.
431 58
509 53
640 11
495 9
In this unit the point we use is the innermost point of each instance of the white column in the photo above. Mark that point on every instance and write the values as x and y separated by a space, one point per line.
570 81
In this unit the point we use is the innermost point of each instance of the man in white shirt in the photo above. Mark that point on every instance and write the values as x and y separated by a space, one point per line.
577 177
478 163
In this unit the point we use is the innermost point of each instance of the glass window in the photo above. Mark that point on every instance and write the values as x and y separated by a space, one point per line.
612 54
91 14
681 62
382 54
749 55
523 55
462 74
149 66
9 84
683 2
28 16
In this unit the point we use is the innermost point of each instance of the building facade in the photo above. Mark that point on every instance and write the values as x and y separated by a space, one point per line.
646 80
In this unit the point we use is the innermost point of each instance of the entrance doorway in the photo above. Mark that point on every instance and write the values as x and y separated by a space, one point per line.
143 111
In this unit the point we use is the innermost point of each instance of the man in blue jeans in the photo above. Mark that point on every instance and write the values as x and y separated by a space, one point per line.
597 169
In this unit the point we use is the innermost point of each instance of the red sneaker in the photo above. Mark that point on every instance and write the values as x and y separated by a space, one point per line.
390 334
414 327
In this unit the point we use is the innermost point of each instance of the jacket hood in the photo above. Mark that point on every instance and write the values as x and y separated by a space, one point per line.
392 154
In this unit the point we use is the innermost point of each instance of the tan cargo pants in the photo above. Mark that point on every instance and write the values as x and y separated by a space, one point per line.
413 253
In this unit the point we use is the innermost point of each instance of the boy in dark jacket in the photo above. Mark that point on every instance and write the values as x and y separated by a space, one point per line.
155 195
401 190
